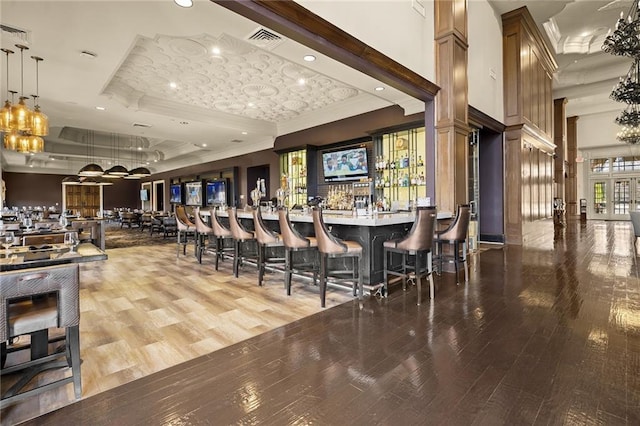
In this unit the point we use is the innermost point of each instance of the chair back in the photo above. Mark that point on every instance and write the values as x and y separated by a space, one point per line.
420 236
237 230
290 237
263 234
457 231
327 243
30 240
182 220
201 227
218 229
635 221
61 279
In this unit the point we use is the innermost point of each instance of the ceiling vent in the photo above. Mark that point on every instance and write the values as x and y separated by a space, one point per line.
17 34
265 39
146 126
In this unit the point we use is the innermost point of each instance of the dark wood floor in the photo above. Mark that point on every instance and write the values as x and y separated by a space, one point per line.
546 334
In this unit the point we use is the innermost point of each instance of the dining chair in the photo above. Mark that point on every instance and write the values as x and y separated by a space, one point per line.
269 242
296 243
31 302
456 237
332 247
242 238
416 246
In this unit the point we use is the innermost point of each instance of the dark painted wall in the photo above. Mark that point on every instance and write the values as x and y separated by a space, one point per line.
32 189
27 189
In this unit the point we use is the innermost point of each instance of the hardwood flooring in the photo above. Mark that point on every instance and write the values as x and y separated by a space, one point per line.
543 334
143 311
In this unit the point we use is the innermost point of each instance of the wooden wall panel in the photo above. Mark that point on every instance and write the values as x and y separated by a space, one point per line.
513 186
512 78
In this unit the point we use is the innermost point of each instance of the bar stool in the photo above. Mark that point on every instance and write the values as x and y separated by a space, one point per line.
267 241
456 236
241 238
293 243
57 305
203 234
331 247
185 228
221 234
417 244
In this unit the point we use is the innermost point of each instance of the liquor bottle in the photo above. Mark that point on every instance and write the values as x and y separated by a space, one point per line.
392 164
386 182
420 162
414 179
421 180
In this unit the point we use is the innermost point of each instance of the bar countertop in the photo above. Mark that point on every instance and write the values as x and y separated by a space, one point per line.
339 217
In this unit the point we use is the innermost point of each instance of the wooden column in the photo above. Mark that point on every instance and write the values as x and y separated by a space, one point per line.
571 182
560 139
528 104
452 127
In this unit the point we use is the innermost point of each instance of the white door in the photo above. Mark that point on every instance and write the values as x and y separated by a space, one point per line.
599 208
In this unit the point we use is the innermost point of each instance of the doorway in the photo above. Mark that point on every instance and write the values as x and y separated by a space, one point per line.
158 195
614 198
84 200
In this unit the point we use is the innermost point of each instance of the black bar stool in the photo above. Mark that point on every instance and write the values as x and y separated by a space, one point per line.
331 247
185 228
221 234
456 236
241 238
296 243
267 241
417 245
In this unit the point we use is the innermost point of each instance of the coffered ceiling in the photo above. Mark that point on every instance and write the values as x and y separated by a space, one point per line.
180 86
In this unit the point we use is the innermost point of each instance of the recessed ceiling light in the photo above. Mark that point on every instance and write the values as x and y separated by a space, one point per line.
301 81
31 154
155 161
100 108
31 165
184 3
204 145
215 50
139 148
309 58
250 104
379 89
173 85
244 133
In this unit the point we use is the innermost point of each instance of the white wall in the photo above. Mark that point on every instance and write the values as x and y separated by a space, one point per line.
391 26
485 57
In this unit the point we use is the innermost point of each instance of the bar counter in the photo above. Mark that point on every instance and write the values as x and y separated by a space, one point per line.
371 231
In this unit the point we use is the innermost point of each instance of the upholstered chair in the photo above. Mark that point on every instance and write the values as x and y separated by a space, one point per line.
268 242
296 243
242 239
185 229
415 245
456 237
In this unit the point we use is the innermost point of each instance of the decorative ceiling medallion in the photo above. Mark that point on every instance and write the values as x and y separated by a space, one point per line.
259 90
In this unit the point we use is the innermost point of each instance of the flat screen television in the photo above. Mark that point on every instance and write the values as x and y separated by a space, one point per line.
216 192
345 164
175 196
193 193
144 195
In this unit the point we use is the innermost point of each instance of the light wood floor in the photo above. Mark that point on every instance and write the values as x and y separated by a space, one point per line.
143 311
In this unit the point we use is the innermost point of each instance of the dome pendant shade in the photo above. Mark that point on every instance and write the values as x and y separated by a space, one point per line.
39 123
11 141
70 180
117 171
20 116
91 170
5 117
140 172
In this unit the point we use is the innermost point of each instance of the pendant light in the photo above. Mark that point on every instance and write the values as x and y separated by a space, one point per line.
39 121
91 169
20 113
116 171
5 113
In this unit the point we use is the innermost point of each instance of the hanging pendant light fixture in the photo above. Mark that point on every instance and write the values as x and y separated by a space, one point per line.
39 120
23 127
20 113
140 171
91 169
624 41
5 113
116 171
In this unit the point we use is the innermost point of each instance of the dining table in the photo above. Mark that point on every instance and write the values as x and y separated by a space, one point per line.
36 256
